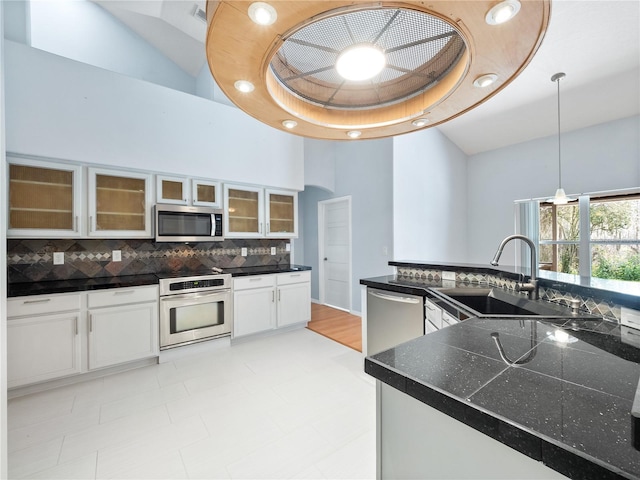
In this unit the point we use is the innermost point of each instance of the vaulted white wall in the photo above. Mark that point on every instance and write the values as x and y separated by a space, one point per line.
429 198
65 109
598 158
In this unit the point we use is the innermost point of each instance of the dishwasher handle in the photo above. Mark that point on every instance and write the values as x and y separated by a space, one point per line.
394 298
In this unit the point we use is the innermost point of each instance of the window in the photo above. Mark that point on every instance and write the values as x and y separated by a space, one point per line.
606 246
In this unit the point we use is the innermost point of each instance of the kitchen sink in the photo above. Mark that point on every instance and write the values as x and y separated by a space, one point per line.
496 301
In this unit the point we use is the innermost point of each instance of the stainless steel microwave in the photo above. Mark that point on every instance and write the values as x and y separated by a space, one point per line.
177 223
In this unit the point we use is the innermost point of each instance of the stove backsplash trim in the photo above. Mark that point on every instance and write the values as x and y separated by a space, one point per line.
31 260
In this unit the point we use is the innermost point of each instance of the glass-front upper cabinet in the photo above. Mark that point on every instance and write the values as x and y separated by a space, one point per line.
173 190
185 191
282 209
245 207
206 193
45 199
119 203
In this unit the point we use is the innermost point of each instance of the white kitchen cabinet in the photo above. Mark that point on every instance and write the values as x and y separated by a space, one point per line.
43 338
119 204
188 191
281 213
126 332
257 212
433 315
266 302
245 211
44 199
254 304
294 298
448 319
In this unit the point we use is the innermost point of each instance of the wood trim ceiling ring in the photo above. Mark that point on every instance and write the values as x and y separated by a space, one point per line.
239 49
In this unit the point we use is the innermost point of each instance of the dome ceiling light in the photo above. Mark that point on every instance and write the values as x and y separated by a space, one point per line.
262 13
425 58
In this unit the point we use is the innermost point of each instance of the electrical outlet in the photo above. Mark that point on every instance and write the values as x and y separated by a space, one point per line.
116 255
287 247
58 258
449 275
273 250
243 251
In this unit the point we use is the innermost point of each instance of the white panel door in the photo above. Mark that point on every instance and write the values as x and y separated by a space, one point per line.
335 269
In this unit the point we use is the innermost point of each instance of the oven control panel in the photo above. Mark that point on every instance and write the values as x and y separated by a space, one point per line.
213 282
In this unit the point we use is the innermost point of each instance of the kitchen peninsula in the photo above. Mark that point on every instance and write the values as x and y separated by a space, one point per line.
501 397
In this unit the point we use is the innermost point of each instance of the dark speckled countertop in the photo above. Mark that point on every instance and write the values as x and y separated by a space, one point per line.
48 287
566 404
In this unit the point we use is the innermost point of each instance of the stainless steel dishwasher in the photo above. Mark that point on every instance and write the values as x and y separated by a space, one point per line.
392 318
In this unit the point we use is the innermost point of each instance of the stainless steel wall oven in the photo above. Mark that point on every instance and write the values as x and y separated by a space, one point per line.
194 309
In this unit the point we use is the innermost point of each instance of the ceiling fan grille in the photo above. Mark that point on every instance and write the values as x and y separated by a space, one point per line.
419 47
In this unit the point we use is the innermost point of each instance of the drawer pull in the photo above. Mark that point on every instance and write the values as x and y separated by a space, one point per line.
44 300
255 279
90 323
127 292
76 325
295 275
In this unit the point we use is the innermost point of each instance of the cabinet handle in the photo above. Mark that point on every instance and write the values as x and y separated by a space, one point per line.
279 294
76 227
268 229
76 324
260 230
90 323
126 292
255 279
44 300
91 226
294 275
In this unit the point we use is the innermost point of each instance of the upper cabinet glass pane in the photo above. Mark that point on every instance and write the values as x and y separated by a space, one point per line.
120 203
40 198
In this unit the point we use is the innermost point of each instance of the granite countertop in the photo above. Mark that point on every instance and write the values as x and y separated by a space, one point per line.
567 404
47 287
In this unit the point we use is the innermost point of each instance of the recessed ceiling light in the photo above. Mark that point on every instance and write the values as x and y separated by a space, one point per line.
360 62
485 80
502 12
289 123
420 122
354 133
244 86
262 13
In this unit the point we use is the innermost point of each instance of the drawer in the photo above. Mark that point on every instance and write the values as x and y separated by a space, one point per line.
254 281
39 304
121 296
294 277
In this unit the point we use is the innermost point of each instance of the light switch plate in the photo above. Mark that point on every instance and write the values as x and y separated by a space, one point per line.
273 250
58 258
116 255
243 251
287 247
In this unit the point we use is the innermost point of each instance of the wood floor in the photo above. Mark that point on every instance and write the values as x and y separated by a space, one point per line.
337 325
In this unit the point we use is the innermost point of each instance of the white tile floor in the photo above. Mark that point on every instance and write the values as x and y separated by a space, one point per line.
293 405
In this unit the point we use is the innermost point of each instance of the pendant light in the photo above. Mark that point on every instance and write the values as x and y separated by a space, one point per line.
560 197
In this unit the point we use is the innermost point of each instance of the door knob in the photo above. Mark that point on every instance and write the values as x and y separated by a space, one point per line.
325 259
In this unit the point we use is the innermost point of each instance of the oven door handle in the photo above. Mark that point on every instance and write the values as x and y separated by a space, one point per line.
188 296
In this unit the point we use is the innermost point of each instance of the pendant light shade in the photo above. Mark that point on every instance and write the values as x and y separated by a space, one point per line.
560 198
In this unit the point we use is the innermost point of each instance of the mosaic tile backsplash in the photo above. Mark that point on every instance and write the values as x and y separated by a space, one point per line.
595 306
31 260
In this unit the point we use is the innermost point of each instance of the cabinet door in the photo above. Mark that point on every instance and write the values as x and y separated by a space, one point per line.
253 311
119 204
173 190
282 213
206 193
294 304
42 348
122 334
44 199
245 207
433 313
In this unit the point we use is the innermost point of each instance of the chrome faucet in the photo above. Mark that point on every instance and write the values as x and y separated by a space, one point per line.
532 286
